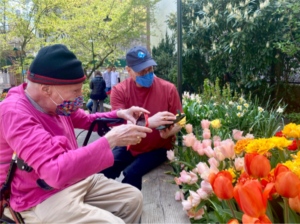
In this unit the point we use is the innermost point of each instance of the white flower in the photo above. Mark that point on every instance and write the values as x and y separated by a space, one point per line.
268 44
226 107
231 44
240 114
214 46
200 106
277 56
226 115
246 105
231 103
210 111
213 20
216 12
260 109
215 104
242 4
238 29
279 110
239 107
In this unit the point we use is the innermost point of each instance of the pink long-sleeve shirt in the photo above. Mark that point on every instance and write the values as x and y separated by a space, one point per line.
46 143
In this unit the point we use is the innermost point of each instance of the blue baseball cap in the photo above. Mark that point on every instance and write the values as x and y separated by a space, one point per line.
138 58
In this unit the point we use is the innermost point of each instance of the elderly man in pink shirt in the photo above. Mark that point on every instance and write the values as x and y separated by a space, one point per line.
37 122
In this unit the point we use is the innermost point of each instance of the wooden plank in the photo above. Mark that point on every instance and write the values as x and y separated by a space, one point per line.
159 202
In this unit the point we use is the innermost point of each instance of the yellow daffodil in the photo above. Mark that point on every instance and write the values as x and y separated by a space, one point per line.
216 124
291 130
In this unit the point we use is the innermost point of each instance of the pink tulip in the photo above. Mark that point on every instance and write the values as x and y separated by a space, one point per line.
196 215
202 167
189 128
177 180
239 163
217 143
170 155
197 145
194 178
182 166
213 162
209 152
218 154
227 148
200 151
179 196
195 170
206 142
189 140
206 174
205 186
187 204
205 124
184 177
206 134
249 136
195 198
237 134
216 138
203 194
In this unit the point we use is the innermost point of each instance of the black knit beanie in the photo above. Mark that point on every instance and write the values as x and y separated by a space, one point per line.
56 65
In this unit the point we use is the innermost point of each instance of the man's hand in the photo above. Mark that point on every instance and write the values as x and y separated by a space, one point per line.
131 114
124 135
165 133
161 118
168 132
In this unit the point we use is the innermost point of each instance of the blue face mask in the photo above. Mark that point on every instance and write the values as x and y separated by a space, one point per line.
145 80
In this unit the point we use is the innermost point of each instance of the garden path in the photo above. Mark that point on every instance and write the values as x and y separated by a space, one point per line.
159 203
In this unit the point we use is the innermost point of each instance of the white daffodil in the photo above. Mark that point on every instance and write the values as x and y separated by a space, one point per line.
246 105
240 114
279 110
260 109
226 115
226 107
231 103
239 107
215 104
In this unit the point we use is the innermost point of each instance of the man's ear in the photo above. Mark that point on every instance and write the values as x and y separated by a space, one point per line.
130 72
45 90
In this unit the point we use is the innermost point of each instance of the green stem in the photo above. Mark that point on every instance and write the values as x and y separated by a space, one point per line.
286 210
297 140
281 156
231 208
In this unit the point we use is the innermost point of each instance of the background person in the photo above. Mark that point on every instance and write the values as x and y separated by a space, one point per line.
37 122
98 93
115 78
107 79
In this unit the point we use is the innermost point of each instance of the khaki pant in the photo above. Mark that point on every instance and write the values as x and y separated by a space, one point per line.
95 199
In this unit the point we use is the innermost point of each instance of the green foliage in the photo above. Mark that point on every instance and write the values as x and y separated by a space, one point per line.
237 39
164 56
233 110
293 117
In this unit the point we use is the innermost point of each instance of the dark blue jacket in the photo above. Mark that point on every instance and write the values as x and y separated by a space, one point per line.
98 88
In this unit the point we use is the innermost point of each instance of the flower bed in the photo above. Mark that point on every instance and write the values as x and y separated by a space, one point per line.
2 97
237 169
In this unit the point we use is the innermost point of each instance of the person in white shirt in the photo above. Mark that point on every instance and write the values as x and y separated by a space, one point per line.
115 78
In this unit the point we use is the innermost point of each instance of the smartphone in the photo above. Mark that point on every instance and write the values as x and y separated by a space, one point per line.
178 118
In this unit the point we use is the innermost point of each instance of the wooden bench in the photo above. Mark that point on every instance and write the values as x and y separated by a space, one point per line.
159 195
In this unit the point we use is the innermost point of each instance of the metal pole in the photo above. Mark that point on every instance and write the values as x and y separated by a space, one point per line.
179 49
93 54
179 58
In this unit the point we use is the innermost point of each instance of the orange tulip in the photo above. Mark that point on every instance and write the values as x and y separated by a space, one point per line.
257 165
222 184
233 221
287 183
294 203
262 219
250 198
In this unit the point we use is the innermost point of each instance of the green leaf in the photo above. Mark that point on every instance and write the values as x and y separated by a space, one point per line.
238 215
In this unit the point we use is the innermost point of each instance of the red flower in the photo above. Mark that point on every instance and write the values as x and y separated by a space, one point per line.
293 146
264 184
244 177
256 165
279 134
222 184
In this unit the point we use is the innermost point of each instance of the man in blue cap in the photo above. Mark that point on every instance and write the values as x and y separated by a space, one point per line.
156 95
